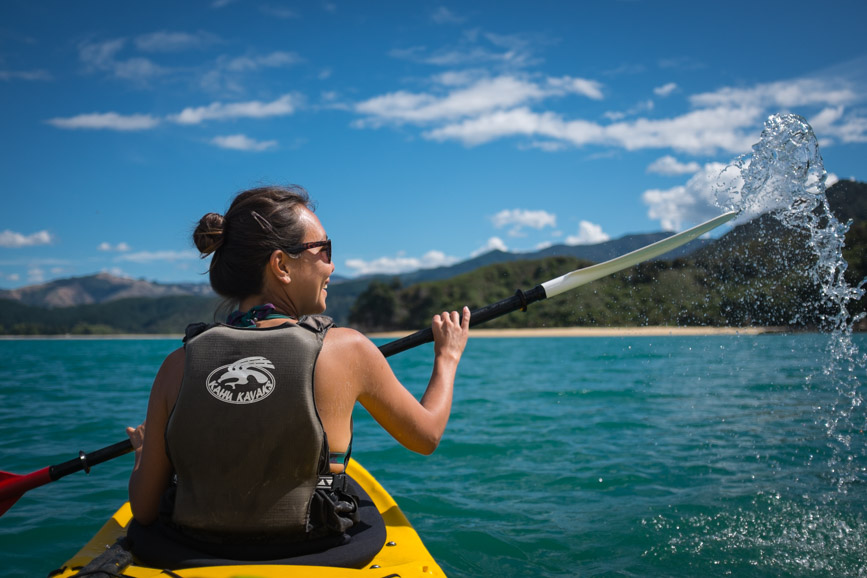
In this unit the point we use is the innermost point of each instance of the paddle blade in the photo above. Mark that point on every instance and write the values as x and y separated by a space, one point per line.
588 274
13 486
7 501
6 504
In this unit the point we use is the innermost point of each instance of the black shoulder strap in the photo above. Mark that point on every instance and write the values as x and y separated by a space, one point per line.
194 329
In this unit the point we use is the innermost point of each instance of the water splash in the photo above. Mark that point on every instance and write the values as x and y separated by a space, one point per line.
784 176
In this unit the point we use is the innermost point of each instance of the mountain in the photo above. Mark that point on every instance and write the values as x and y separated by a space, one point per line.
99 288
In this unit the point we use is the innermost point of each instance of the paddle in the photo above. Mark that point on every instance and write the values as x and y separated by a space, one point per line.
13 486
521 299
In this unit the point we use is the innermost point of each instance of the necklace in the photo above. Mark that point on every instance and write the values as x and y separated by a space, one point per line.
257 313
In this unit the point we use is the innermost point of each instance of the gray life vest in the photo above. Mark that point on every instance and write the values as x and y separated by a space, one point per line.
244 437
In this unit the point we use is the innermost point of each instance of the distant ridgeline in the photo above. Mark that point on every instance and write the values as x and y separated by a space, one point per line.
754 275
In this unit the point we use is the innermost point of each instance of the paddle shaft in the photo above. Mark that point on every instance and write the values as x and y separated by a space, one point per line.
12 486
520 300
564 283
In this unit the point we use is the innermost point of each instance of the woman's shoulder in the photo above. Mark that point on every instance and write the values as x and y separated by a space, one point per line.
171 372
347 340
175 360
345 334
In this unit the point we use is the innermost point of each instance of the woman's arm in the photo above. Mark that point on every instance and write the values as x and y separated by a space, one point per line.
417 425
152 470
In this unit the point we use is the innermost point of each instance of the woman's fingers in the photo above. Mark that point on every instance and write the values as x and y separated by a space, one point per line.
136 435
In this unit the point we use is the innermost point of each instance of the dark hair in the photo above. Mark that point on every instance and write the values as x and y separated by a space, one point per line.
258 222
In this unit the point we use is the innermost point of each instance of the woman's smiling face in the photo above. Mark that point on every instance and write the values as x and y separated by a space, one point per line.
312 269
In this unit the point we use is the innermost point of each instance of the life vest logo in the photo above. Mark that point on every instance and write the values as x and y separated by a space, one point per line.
244 381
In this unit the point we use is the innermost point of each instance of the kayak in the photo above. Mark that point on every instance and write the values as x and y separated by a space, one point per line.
403 554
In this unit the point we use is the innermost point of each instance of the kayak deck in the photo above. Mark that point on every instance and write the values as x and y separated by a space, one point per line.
403 555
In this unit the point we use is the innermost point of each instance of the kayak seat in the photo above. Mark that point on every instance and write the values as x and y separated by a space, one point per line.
161 546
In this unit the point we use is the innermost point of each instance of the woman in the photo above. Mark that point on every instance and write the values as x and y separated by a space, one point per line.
246 449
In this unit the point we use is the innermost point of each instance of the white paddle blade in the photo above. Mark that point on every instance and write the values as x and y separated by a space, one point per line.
583 276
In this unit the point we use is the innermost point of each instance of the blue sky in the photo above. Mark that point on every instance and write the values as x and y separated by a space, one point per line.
427 132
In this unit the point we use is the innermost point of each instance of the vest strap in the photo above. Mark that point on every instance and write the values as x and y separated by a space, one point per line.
332 482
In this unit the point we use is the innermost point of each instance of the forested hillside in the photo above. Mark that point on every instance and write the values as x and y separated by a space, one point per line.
754 275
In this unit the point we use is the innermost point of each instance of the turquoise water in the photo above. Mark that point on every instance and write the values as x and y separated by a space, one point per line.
630 456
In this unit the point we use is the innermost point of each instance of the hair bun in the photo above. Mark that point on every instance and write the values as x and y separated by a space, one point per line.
209 234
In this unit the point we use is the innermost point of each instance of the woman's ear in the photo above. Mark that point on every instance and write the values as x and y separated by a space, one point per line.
280 265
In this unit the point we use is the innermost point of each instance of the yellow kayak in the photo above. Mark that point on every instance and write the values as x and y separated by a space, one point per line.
403 554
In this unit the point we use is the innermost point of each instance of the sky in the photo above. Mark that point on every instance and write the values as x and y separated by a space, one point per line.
426 132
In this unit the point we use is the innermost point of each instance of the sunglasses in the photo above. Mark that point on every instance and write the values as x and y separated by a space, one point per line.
326 248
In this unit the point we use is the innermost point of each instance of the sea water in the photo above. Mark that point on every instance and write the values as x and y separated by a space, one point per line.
632 456
635 456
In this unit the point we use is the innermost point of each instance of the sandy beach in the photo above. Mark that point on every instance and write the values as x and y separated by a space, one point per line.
601 332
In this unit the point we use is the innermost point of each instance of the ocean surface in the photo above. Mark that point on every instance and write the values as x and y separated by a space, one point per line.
625 456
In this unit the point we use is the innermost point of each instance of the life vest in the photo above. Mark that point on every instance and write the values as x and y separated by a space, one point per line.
244 438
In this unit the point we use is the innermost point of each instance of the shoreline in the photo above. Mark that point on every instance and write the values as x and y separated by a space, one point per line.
652 331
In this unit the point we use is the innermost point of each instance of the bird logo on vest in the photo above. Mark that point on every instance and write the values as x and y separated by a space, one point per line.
244 381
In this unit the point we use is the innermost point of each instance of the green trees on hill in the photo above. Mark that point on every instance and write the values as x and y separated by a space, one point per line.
136 315
757 274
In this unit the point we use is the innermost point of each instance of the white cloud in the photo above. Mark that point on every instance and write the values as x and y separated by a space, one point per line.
443 15
100 55
786 94
485 95
473 109
833 123
103 57
11 239
283 106
641 107
520 218
476 48
701 131
401 263
665 89
165 41
589 88
276 59
481 97
242 143
35 275
278 11
493 244
139 70
588 234
152 256
106 121
120 247
696 201
668 165
25 75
